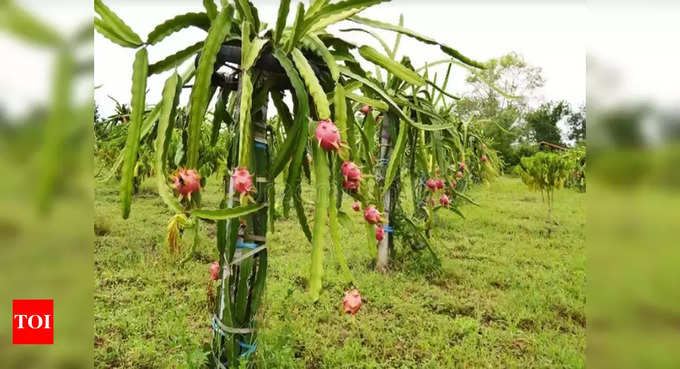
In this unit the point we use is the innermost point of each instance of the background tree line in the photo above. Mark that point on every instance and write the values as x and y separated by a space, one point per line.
509 119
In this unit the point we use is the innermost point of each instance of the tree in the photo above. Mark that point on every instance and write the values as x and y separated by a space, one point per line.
500 112
546 172
577 124
542 122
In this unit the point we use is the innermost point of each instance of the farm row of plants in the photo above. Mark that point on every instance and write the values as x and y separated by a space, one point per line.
360 135
546 172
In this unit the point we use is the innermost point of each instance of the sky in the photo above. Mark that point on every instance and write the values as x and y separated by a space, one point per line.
544 34
630 45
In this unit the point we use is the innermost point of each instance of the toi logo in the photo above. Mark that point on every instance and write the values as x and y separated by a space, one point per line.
32 322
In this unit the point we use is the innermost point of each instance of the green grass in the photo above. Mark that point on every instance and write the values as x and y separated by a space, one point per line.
510 292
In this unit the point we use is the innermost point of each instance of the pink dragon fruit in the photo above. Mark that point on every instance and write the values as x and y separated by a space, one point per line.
366 110
372 215
352 301
328 135
351 174
242 180
453 183
439 183
459 174
187 181
431 184
484 158
379 233
444 200
215 271
356 206
350 185
462 165
351 171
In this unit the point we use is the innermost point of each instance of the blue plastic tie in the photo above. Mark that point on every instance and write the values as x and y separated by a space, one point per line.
246 245
251 348
217 328
388 229
384 161
260 145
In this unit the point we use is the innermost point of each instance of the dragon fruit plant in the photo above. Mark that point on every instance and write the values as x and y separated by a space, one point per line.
305 61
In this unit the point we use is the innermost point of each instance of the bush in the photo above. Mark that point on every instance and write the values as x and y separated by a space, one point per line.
577 178
517 153
545 172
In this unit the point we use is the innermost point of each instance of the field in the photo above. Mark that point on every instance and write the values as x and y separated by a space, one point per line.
510 292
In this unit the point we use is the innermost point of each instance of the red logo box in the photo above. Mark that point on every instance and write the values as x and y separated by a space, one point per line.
32 322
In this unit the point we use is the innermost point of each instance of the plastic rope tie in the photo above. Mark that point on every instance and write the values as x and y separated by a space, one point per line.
246 245
249 351
217 328
384 161
388 229
260 145
224 330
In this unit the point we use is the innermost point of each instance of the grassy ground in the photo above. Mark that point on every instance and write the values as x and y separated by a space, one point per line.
510 292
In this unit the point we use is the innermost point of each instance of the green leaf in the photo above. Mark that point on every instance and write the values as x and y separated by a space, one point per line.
284 8
260 280
301 119
227 213
296 31
313 85
245 129
442 91
285 151
475 73
377 104
25 25
397 69
282 109
395 160
210 8
319 48
398 38
455 210
248 13
334 229
334 13
407 32
171 93
218 115
58 128
178 23
252 52
245 99
471 201
322 177
200 93
316 5
242 291
139 73
300 212
105 31
175 59
393 105
340 110
375 35
351 132
116 25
